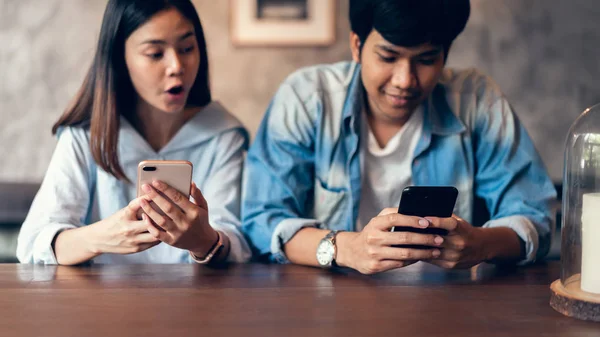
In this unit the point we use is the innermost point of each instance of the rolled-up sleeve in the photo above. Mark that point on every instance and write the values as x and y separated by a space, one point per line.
512 179
61 203
525 229
284 231
279 176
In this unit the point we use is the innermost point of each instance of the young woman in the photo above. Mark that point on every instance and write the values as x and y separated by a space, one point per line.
146 96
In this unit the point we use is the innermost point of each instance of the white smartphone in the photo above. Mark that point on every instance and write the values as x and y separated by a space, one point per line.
175 173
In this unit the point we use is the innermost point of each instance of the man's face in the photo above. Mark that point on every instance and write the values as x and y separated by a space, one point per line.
396 79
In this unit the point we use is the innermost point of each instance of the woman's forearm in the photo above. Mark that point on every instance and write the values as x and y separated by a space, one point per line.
75 246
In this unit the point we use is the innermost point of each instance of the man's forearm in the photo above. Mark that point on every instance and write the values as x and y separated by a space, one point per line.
302 247
503 245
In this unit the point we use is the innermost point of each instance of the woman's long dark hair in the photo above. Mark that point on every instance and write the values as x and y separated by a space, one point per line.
107 91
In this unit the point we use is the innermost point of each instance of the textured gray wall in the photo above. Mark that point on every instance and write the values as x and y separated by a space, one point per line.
543 54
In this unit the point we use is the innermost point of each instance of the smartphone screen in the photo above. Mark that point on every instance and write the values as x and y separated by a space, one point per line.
422 201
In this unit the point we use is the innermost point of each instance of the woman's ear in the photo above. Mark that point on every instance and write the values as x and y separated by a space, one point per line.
355 47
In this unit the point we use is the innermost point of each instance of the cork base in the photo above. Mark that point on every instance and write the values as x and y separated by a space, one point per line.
573 302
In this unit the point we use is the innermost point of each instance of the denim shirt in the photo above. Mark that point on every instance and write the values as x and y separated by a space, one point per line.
76 192
304 167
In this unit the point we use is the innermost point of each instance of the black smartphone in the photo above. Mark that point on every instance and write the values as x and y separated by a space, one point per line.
422 201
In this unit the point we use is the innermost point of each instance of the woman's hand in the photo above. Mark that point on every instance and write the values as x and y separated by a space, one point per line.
184 223
122 232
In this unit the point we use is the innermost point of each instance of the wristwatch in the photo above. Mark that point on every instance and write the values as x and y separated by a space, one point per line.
327 250
213 251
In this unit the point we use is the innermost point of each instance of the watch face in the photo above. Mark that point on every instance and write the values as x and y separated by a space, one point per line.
325 253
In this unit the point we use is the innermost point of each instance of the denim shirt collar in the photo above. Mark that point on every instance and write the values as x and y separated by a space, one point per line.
440 116
439 119
354 100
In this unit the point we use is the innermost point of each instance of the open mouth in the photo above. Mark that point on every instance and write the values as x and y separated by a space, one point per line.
175 90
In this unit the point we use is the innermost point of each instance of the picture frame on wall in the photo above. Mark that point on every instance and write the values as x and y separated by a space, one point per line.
282 23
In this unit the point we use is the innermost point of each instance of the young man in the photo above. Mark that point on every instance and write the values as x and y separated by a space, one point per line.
339 142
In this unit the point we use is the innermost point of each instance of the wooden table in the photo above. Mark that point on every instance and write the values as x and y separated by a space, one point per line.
263 300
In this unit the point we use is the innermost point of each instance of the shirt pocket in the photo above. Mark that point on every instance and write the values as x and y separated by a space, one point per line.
329 207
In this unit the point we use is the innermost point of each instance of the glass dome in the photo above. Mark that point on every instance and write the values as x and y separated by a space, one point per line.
580 246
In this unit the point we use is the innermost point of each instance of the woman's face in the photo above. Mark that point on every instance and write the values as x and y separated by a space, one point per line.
162 58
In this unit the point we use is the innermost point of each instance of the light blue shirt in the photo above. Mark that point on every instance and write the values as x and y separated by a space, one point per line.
76 192
304 167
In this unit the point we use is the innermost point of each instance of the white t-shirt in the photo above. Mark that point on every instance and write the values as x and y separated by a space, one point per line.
386 171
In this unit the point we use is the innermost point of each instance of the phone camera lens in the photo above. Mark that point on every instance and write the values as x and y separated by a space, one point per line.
149 168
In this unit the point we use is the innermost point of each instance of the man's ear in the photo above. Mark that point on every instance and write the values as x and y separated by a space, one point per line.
355 47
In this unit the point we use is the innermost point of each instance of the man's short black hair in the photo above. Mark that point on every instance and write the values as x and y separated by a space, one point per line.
410 23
